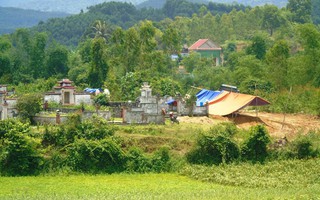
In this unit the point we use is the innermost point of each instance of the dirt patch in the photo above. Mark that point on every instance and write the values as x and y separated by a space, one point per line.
278 125
201 120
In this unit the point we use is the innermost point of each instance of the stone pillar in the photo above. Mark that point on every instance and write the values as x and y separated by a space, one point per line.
4 110
58 117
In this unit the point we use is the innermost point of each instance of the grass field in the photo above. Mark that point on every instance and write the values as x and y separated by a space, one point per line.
137 186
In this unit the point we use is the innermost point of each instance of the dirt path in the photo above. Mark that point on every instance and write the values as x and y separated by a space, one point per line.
278 125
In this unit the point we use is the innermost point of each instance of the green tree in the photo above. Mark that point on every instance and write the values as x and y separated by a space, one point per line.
310 39
132 50
171 40
258 47
277 58
271 18
99 67
301 10
165 86
28 105
255 147
101 30
38 54
57 61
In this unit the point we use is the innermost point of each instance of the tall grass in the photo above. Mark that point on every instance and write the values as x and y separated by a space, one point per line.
137 186
276 174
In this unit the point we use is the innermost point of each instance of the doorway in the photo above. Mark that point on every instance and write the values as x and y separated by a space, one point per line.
66 97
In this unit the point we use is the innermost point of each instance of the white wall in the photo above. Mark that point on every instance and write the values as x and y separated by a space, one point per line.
83 98
52 98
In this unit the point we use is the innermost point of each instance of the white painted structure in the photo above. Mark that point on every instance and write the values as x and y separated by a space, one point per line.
65 94
7 105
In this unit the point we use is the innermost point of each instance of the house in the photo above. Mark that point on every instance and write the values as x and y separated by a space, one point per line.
208 49
65 94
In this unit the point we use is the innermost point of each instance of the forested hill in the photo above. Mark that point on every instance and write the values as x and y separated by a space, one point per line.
70 30
75 6
12 18
252 3
70 6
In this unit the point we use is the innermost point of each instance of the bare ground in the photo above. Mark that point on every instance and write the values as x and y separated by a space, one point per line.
278 125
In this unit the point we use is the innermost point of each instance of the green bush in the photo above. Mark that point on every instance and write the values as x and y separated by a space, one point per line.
55 161
9 124
303 146
161 160
20 154
95 128
255 147
215 147
96 156
29 105
137 161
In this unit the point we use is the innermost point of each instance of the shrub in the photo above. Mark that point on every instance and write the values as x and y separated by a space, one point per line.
95 128
20 154
214 149
96 156
137 161
9 124
224 128
161 160
28 105
255 147
101 99
303 146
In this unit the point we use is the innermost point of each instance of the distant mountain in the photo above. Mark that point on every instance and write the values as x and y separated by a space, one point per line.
12 18
75 6
66 6
159 3
253 3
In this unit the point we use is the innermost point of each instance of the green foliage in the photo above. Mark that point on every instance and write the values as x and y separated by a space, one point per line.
254 148
277 174
215 147
101 99
95 128
258 47
57 61
96 156
300 10
20 154
303 147
29 105
13 124
130 85
165 86
137 161
98 66
159 161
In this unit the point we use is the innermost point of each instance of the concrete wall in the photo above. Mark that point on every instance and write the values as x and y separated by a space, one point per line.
48 120
82 98
52 119
140 117
52 98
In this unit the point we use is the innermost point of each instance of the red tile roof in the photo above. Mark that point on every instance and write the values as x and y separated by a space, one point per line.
197 45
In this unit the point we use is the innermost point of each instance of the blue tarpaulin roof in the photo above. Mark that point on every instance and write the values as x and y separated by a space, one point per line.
206 95
170 101
92 90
